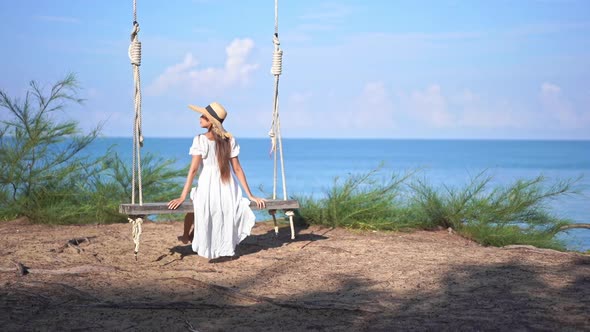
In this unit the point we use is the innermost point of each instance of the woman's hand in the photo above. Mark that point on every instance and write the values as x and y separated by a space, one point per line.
175 203
260 202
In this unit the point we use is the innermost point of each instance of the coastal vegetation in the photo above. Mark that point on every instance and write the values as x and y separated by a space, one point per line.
48 175
491 215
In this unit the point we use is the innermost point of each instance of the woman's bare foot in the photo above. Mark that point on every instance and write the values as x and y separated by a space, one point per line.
184 239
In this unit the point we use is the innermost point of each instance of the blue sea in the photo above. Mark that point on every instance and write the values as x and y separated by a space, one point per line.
312 164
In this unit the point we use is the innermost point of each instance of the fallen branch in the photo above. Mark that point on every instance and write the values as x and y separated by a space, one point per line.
570 226
74 243
535 249
189 326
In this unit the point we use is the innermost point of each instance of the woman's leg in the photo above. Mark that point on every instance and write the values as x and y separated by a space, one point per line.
187 235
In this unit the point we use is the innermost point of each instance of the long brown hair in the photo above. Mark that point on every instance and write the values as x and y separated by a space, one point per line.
222 150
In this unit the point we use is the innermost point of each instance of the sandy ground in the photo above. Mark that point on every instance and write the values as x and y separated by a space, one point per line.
324 280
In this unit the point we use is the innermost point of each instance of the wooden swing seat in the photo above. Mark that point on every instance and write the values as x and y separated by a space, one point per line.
187 206
137 210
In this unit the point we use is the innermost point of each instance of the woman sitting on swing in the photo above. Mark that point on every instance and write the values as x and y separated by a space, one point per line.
222 217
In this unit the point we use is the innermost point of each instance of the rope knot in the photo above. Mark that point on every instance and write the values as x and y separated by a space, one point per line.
135 52
277 57
136 232
134 30
277 62
273 141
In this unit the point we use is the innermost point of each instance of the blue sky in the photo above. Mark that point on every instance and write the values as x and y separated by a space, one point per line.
516 69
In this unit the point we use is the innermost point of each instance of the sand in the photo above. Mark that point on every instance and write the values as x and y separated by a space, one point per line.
324 280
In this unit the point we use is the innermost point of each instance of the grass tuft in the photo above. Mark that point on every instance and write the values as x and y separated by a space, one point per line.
502 215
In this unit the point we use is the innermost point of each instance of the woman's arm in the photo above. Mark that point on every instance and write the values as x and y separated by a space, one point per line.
237 167
192 171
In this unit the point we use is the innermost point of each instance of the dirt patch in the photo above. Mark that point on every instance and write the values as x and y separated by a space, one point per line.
86 278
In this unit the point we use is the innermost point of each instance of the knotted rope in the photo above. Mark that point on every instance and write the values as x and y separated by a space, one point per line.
275 127
135 57
136 232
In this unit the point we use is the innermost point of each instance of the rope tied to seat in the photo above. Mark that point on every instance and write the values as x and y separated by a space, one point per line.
134 54
136 230
275 127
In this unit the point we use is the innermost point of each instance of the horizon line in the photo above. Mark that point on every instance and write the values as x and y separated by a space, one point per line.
375 138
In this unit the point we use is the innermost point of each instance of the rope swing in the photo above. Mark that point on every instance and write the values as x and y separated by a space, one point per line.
275 126
137 212
135 57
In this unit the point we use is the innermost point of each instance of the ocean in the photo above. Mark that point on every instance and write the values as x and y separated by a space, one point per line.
311 165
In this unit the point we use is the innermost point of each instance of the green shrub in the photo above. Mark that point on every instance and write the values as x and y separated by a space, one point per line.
160 182
46 174
522 204
360 201
512 214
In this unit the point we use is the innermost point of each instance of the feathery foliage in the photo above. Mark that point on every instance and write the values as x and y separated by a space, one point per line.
512 214
46 174
360 201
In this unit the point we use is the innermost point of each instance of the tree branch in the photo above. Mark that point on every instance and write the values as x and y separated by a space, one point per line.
571 226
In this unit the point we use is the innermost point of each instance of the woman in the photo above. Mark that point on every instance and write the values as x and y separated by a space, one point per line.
222 217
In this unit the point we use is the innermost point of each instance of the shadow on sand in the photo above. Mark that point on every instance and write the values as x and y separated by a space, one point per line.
506 296
254 243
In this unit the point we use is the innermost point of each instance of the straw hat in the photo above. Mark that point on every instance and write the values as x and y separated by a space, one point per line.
216 114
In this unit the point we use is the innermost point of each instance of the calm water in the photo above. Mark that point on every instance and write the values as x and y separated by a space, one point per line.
312 164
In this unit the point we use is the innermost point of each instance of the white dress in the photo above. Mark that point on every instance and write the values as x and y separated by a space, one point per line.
223 217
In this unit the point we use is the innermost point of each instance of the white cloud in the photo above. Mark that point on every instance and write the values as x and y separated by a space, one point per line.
236 68
431 106
474 111
369 113
374 111
300 114
173 75
375 107
466 97
463 110
483 118
551 89
210 81
557 107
